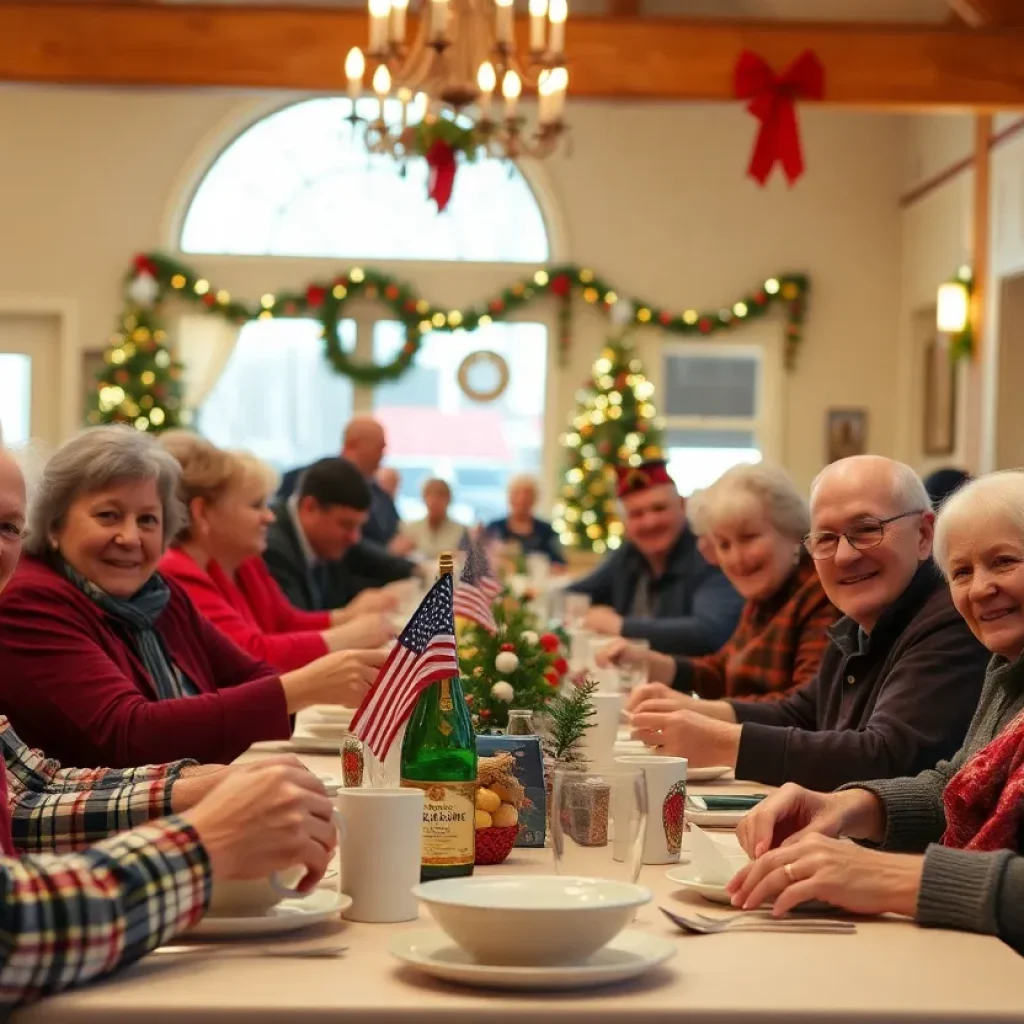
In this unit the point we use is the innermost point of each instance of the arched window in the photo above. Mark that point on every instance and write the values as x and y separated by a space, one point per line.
298 184
301 183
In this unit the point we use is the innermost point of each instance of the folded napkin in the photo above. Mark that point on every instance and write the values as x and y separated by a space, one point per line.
710 862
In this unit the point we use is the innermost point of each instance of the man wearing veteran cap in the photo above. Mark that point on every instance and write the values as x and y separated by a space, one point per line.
658 586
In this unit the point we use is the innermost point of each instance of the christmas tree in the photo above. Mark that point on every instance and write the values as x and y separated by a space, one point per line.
614 424
140 383
518 666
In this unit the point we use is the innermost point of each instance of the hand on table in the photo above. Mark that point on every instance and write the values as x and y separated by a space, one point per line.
661 668
384 600
837 871
266 817
703 741
661 698
196 780
793 813
604 620
364 631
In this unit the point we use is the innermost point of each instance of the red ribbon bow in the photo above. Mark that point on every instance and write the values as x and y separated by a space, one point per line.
441 161
773 102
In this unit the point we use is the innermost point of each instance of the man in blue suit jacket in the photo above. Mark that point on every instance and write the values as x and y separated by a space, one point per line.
658 586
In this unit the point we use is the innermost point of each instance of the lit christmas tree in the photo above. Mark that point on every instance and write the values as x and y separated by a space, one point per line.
614 425
140 383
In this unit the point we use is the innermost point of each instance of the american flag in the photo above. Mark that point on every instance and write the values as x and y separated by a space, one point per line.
477 588
425 654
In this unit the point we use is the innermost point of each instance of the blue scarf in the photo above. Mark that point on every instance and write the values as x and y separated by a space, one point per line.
138 614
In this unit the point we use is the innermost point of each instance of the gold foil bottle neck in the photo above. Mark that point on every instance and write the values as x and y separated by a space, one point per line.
446 564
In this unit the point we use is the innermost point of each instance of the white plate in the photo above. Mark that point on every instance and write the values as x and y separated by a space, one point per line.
333 713
323 730
628 955
287 916
706 774
332 783
298 744
715 819
685 880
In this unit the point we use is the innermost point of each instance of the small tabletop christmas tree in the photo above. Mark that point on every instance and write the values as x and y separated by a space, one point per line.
518 666
614 424
568 719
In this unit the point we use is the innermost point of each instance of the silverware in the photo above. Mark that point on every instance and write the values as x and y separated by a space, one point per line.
703 925
303 953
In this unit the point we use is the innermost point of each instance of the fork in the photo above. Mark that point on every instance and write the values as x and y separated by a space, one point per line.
712 926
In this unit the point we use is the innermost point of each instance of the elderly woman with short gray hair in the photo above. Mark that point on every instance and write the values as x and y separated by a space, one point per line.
105 661
754 519
947 843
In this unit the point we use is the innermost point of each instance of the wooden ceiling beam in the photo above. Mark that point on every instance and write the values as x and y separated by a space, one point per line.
866 66
988 13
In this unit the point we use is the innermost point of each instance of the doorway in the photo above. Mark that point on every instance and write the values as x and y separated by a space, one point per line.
30 393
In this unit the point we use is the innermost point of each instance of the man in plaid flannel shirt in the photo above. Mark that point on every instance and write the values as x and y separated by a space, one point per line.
100 866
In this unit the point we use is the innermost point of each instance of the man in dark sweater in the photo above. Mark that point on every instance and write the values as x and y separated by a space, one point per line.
657 585
899 682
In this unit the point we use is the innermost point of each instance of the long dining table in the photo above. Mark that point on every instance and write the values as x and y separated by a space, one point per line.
888 971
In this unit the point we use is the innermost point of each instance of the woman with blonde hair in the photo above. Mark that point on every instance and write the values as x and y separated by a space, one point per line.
755 520
216 557
946 844
105 661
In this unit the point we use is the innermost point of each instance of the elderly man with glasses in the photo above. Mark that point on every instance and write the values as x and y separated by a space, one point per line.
899 681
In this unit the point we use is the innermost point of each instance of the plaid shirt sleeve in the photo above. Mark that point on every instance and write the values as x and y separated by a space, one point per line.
67 919
56 809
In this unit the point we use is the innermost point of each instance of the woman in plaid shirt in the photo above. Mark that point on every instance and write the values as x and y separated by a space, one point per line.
98 867
752 522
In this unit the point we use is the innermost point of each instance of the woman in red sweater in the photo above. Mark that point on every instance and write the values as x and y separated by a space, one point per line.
216 558
107 663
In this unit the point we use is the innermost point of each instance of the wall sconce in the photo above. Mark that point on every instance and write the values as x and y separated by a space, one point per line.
954 303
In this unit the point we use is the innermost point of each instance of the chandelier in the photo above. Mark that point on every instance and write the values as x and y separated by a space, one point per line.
463 56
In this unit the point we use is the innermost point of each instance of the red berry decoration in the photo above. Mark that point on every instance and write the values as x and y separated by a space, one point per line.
561 666
665 317
561 285
549 642
315 296
552 677
209 300
672 811
485 713
704 325
508 647
391 292
144 265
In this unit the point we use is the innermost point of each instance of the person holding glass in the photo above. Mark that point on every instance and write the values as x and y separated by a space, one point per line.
900 678
755 520
945 844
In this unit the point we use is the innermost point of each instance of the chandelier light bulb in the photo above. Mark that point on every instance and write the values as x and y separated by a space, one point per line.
382 81
398 12
503 29
380 13
558 11
355 67
486 80
538 16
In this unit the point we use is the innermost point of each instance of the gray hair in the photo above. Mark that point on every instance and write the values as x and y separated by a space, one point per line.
989 504
908 490
766 487
94 459
524 480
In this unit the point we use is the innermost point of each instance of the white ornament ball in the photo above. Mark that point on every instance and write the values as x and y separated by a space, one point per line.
530 637
144 290
623 313
503 691
506 662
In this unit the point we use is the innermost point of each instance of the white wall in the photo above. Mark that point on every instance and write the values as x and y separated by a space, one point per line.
654 198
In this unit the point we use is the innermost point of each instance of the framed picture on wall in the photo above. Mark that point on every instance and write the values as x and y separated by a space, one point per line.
939 400
846 433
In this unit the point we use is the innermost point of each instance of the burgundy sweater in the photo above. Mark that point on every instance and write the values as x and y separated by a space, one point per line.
72 683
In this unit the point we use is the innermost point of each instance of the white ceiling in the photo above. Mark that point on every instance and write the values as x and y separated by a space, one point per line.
806 10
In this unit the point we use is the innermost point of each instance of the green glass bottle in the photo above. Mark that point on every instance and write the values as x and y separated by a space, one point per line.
439 757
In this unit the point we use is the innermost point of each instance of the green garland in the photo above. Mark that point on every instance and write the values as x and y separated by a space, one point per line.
325 301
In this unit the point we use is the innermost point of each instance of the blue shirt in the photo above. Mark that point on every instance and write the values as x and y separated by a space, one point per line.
541 540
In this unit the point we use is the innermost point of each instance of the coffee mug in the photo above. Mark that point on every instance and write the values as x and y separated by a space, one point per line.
253 897
666 802
381 853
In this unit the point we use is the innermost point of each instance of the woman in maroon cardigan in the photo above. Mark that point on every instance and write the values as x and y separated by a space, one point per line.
217 559
104 661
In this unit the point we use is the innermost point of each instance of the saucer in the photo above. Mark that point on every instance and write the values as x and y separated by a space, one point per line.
706 774
324 730
628 955
715 819
287 916
333 713
714 893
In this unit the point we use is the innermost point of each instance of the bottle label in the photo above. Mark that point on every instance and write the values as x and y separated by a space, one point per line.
449 822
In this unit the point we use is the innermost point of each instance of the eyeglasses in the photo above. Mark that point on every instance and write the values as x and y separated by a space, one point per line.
867 533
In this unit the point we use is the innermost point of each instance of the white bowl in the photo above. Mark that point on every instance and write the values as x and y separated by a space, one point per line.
531 920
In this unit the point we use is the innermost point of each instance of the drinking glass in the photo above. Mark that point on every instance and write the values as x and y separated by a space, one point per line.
520 723
598 820
633 665
575 609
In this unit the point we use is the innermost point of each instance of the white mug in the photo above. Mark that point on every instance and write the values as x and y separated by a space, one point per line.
598 742
666 802
381 851
253 897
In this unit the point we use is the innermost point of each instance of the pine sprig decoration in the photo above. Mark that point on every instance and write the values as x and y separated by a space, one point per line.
568 719
614 424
